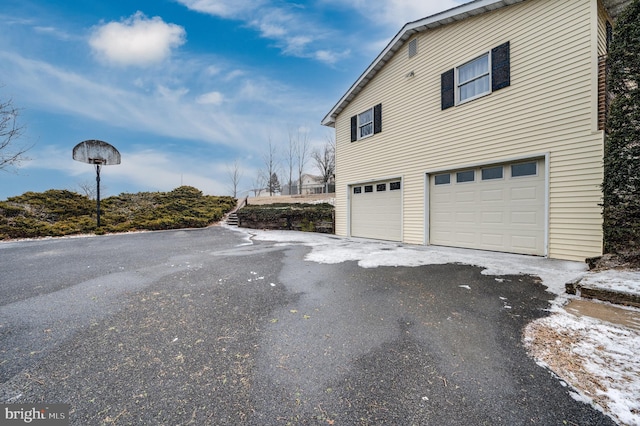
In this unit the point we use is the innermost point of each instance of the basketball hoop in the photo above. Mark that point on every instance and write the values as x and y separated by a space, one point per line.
98 153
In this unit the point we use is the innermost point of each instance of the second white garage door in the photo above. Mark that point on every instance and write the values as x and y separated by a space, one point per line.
376 210
499 207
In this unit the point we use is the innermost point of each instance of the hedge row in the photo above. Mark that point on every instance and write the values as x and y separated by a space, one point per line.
298 217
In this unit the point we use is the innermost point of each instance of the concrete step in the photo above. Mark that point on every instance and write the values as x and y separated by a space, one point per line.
232 219
606 295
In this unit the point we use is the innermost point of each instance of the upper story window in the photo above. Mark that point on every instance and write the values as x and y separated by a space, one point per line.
483 75
473 79
366 123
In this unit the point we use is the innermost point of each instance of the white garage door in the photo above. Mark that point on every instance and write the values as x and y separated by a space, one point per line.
499 208
376 210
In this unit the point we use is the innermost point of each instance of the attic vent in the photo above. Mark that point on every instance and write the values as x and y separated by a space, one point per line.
413 47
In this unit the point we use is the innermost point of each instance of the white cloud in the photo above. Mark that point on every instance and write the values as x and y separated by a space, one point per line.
223 8
137 40
172 94
291 27
53 32
396 13
163 112
211 98
233 75
330 57
213 70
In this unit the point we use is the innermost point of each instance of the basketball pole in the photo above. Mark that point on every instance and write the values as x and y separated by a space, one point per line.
98 193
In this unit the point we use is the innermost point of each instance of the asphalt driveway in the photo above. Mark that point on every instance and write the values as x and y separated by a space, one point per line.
203 327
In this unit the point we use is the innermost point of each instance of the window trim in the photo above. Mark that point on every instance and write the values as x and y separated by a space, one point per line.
482 169
360 125
499 66
534 162
458 85
436 176
473 171
375 123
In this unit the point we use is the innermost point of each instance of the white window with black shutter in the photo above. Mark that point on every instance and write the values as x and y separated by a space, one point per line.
481 76
367 123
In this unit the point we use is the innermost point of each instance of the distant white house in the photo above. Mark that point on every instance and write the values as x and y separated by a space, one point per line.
311 184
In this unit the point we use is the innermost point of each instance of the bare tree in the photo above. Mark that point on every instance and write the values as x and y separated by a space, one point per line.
291 159
88 188
325 159
302 154
235 174
258 185
11 153
271 166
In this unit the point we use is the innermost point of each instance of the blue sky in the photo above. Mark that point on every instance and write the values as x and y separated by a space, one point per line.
182 88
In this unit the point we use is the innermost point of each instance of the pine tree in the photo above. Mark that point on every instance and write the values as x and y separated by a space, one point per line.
621 183
274 184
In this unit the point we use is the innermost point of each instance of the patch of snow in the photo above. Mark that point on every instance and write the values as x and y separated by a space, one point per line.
614 280
465 286
608 355
372 254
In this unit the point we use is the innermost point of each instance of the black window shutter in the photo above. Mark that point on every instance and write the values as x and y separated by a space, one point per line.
500 67
447 90
377 118
354 128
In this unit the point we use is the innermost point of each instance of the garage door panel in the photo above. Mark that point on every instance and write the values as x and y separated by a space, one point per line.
524 218
492 195
504 214
465 197
493 240
492 218
524 243
524 194
466 237
467 218
442 218
441 197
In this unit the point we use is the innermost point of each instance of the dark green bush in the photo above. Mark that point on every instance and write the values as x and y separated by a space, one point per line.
621 183
300 217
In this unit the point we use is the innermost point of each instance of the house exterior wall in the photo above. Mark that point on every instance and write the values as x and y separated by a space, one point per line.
550 109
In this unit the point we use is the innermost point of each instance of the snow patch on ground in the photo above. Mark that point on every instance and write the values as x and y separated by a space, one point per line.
373 254
595 357
614 280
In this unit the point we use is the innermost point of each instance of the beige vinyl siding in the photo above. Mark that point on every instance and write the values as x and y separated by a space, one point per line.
546 110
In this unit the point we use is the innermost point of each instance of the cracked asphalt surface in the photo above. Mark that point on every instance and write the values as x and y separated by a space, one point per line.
202 327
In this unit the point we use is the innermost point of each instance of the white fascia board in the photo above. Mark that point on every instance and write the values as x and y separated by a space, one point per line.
458 13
